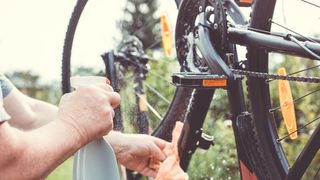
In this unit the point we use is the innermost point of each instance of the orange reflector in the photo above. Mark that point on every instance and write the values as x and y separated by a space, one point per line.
287 105
166 36
246 1
214 83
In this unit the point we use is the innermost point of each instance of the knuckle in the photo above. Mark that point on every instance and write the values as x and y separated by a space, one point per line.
109 88
104 100
117 96
86 89
108 111
108 125
66 96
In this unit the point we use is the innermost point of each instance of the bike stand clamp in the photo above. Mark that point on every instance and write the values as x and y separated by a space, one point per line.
199 80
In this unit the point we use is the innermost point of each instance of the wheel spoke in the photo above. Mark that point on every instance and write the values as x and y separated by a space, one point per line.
158 41
159 76
295 100
315 176
157 93
313 4
302 127
160 60
155 112
288 29
302 70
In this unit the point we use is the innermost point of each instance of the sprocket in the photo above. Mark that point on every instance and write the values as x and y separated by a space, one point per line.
216 20
194 14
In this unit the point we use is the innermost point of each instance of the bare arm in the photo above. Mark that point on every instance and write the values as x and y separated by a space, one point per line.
34 154
27 113
83 116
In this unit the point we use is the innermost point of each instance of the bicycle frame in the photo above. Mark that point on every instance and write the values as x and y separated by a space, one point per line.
276 42
271 42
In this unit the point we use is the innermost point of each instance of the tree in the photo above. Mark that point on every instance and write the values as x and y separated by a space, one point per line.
139 20
26 81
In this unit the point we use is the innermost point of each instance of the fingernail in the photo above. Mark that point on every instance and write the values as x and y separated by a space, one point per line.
107 81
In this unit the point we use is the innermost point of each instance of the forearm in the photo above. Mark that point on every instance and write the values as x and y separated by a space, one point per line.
39 151
43 113
28 113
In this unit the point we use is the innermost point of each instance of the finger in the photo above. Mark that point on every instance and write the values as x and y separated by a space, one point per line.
168 150
156 153
155 165
149 172
114 99
110 109
67 95
110 127
160 143
105 87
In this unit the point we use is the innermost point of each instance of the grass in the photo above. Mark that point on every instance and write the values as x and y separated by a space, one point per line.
63 172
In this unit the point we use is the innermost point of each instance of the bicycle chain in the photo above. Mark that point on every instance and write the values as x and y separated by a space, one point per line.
276 76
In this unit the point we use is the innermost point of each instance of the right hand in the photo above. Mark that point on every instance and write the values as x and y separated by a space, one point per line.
89 110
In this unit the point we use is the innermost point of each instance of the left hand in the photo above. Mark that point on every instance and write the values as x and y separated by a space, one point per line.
135 151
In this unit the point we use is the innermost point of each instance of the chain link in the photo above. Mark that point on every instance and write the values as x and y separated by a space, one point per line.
276 76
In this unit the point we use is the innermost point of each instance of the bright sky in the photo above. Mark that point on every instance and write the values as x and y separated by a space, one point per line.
32 32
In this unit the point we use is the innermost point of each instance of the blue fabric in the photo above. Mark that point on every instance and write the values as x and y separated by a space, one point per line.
6 86
5 89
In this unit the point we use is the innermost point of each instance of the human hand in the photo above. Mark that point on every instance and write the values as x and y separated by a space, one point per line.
89 110
135 151
170 169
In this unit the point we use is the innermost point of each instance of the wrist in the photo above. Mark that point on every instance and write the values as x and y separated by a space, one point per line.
73 132
117 141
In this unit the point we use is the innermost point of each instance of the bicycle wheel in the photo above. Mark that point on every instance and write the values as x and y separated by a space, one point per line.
179 107
271 151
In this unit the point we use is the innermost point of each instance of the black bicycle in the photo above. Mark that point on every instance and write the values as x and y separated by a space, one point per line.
208 33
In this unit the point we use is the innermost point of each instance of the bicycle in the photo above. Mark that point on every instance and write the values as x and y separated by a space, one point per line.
205 44
255 128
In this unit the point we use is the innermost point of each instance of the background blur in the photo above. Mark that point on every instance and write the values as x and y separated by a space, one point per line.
31 41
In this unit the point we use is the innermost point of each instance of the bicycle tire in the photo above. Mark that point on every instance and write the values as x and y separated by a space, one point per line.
179 107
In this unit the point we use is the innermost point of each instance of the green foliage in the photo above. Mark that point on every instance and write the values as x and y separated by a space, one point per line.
64 171
128 103
29 83
139 20
87 71
220 161
163 68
